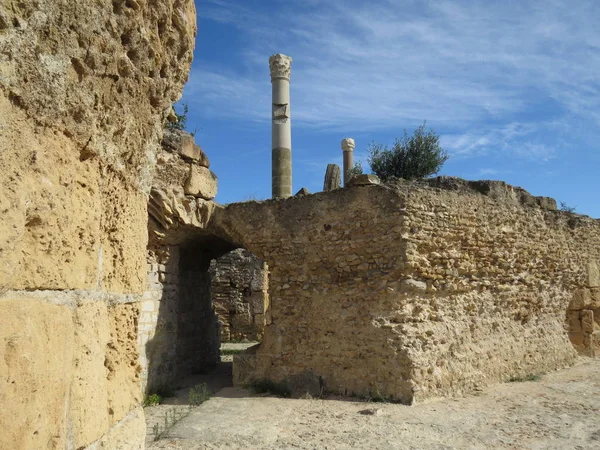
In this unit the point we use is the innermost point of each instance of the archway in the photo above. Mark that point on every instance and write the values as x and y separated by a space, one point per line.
181 326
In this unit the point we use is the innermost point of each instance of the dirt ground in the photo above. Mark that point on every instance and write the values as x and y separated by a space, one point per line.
561 410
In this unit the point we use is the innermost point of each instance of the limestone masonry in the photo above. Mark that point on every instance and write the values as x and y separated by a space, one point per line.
178 330
408 291
85 87
116 272
240 298
417 291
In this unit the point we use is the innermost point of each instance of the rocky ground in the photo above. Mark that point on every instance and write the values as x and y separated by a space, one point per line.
560 410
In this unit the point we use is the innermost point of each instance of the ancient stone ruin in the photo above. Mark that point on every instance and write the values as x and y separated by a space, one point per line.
240 295
418 290
348 152
413 290
85 88
408 291
281 127
332 178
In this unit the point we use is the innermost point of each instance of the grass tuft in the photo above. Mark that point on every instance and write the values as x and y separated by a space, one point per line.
152 400
530 377
230 351
198 394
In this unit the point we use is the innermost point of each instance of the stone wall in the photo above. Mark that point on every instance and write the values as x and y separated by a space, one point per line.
583 317
415 291
408 291
84 90
178 333
240 295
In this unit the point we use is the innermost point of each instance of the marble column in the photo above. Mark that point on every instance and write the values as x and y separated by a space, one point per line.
281 131
348 150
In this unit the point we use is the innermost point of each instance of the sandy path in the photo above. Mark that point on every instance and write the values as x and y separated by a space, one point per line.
560 411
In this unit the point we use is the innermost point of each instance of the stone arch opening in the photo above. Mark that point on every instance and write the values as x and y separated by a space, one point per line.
183 323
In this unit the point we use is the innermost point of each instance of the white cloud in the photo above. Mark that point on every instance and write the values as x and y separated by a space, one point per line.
385 64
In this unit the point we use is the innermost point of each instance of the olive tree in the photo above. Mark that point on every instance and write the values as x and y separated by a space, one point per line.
417 156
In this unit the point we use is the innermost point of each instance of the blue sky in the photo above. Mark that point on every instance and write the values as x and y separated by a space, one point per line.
512 87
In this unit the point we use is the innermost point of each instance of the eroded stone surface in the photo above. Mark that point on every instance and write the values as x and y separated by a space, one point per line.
36 354
128 434
122 361
333 178
364 180
102 74
280 65
439 291
183 143
88 403
84 90
201 183
240 297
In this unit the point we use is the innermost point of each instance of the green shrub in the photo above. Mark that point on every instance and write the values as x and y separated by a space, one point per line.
181 120
198 394
356 170
564 207
230 351
418 156
152 400
530 377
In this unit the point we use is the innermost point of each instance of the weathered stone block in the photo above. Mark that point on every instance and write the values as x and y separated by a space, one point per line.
588 349
574 321
257 303
129 433
587 321
595 301
183 143
411 285
88 405
333 178
50 234
241 321
593 275
259 321
581 299
124 381
201 182
36 354
577 338
244 367
304 383
364 180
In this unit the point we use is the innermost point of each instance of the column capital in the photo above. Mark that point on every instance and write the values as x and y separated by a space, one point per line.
281 66
348 144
